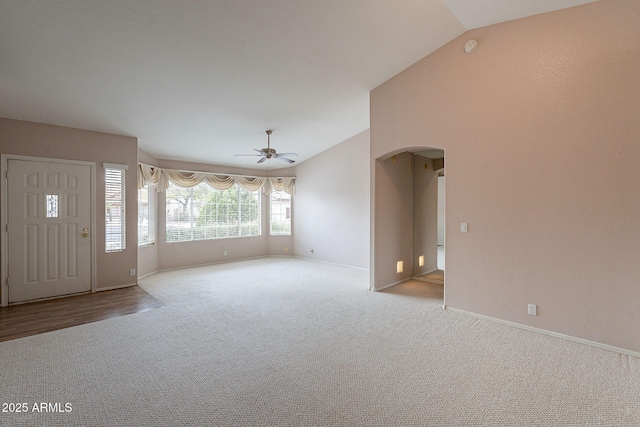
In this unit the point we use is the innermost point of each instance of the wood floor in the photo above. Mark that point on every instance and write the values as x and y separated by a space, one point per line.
22 320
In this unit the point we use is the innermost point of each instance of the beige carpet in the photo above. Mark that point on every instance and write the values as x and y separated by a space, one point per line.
289 342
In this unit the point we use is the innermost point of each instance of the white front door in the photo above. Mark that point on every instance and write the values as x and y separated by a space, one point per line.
49 235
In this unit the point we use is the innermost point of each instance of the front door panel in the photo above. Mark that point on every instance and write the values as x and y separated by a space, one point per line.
49 215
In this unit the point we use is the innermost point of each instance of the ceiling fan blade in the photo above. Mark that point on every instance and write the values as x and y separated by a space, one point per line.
279 157
262 160
288 154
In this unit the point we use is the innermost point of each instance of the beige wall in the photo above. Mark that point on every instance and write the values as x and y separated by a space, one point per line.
56 142
392 223
331 204
541 128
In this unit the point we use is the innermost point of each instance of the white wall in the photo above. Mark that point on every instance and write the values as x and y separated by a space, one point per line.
331 204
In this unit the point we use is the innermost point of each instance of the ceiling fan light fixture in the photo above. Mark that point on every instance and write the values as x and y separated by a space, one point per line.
270 153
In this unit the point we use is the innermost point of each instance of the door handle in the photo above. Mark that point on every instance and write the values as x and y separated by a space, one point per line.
85 232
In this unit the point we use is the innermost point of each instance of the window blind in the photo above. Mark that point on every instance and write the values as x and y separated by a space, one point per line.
115 224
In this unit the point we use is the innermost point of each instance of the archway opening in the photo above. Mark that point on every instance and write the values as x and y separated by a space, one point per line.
408 240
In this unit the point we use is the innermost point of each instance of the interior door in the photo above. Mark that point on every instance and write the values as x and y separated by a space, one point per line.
48 219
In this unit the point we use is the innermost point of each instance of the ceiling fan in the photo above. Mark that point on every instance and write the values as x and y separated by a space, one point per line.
270 153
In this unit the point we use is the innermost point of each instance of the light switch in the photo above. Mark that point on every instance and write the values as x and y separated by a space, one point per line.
463 227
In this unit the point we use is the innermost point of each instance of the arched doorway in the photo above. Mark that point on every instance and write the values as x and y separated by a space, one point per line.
405 216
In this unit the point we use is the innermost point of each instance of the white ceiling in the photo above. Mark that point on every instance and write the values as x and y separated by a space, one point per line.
201 80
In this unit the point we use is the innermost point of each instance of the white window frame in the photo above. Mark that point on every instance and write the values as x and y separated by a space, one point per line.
149 213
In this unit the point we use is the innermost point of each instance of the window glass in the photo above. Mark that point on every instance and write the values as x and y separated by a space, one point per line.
280 213
52 206
146 215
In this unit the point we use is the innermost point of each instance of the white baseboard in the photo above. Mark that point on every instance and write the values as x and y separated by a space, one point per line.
392 284
546 332
426 272
182 267
280 256
147 275
110 288
213 263
329 262
432 281
247 259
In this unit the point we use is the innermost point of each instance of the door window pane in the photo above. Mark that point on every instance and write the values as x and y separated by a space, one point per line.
52 206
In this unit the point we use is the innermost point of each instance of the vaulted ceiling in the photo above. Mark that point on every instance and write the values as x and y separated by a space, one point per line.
202 80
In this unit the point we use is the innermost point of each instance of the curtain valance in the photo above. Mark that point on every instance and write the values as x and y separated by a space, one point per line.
160 179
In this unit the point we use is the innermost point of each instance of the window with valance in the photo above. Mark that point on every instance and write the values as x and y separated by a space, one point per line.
160 178
204 206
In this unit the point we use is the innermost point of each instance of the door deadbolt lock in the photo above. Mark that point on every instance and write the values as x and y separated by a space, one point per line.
85 232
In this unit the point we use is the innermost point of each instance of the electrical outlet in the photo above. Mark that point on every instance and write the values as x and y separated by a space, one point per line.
532 309
286 250
133 272
226 253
